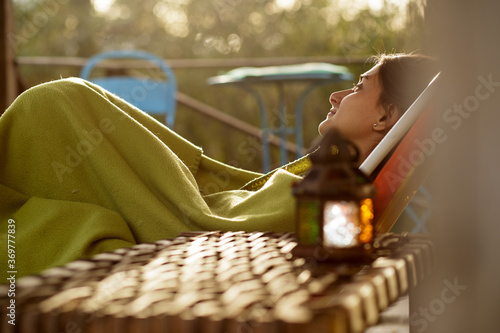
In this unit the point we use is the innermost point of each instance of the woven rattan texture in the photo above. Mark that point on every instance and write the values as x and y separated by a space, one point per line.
219 282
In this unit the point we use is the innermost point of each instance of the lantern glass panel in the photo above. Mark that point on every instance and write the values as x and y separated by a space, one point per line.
341 224
366 225
308 217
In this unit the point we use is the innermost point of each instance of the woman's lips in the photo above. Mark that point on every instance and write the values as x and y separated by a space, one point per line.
332 113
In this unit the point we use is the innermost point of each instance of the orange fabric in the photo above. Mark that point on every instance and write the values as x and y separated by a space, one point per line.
411 156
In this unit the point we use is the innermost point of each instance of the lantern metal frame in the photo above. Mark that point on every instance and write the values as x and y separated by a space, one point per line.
334 178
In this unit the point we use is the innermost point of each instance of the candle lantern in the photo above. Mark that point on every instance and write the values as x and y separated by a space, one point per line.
334 209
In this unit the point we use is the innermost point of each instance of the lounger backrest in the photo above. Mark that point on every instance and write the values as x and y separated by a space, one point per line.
406 150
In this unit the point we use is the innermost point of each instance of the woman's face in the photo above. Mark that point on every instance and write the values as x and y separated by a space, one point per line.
355 111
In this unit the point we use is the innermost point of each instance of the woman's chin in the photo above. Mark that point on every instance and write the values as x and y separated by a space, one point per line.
320 130
324 127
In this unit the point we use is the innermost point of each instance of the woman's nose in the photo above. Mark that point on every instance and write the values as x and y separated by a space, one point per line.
338 96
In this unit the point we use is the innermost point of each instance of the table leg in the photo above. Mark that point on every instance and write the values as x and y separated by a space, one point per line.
299 131
266 158
282 131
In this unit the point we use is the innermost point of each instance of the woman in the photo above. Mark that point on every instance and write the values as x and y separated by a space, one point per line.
84 172
367 112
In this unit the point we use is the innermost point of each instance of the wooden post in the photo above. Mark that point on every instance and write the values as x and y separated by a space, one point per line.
9 88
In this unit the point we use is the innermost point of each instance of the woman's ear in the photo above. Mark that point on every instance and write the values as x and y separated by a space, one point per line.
387 117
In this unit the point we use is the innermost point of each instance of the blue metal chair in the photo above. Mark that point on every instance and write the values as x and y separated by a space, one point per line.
154 96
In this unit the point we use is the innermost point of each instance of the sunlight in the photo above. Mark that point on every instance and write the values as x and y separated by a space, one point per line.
351 8
285 4
375 5
102 6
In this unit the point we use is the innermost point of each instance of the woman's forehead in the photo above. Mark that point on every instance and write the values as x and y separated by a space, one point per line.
372 72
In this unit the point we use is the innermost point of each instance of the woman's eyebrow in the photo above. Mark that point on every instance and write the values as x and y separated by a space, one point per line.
363 76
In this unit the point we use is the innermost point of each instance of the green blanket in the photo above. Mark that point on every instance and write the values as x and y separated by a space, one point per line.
83 172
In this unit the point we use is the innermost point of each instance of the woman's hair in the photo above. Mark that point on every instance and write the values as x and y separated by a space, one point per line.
403 77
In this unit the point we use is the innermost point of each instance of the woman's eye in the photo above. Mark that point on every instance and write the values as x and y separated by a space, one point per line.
356 87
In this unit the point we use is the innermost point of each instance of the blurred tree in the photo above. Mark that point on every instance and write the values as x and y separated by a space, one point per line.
217 29
55 27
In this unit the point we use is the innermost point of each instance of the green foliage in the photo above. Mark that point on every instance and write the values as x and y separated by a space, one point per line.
176 29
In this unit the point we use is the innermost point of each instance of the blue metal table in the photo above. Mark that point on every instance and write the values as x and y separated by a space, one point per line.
315 74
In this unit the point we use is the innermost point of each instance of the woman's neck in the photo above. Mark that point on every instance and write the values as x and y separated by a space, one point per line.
365 148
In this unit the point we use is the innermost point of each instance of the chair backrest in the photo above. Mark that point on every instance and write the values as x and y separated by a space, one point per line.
412 142
155 96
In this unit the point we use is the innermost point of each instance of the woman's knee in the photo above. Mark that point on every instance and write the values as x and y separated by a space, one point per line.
55 99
